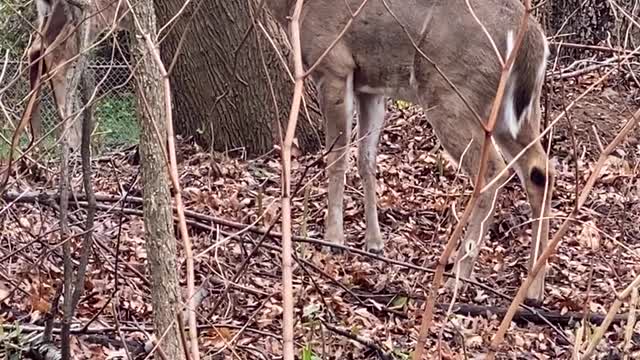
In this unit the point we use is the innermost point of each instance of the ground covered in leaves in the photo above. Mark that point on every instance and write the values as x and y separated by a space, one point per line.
348 305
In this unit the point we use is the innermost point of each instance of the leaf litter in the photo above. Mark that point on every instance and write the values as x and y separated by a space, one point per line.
421 194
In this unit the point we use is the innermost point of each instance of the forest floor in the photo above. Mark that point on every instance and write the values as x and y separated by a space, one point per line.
348 305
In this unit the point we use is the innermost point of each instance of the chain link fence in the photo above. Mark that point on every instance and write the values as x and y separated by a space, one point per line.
115 110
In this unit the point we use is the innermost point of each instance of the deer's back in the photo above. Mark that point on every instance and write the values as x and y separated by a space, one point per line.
377 45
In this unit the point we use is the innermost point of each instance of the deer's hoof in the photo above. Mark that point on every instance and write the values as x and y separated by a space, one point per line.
333 236
374 244
450 284
534 303
535 295
376 251
334 250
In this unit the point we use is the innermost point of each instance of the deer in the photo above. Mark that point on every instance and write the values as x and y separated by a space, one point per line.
51 56
59 45
375 58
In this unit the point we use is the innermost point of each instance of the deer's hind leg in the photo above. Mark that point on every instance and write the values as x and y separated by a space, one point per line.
370 123
336 97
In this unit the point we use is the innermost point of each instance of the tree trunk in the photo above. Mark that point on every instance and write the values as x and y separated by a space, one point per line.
227 108
158 220
592 22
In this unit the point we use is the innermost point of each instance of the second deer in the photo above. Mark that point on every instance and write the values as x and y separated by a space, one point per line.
53 53
51 56
375 58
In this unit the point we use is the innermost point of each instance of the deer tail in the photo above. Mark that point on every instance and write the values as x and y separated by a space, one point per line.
526 76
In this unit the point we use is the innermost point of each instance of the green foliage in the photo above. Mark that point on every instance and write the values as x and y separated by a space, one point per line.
401 355
401 104
116 119
308 354
117 126
17 19
4 147
11 344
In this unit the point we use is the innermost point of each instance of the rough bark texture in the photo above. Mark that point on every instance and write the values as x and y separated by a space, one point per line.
592 22
158 222
215 107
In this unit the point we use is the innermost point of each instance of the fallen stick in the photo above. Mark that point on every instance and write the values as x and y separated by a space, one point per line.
525 315
369 343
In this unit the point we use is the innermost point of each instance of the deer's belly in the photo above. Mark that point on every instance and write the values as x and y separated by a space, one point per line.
393 81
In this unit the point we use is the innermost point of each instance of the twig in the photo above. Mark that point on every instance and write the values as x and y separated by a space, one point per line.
72 295
116 318
591 47
529 316
631 323
51 314
588 69
78 330
597 336
183 337
288 349
85 149
362 340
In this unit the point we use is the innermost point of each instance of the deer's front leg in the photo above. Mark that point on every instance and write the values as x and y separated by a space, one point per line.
539 186
336 100
481 217
370 125
537 177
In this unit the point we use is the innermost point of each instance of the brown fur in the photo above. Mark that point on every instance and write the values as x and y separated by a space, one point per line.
54 45
55 22
59 44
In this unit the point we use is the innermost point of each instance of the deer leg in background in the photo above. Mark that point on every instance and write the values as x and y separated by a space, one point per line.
537 177
59 85
73 127
336 101
37 69
370 123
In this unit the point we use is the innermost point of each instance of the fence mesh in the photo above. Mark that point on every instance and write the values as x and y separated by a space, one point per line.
114 109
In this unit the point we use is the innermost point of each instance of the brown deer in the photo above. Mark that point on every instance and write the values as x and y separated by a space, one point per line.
52 55
59 45
376 58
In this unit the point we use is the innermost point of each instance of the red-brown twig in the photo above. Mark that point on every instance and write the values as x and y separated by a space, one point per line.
287 243
73 286
611 314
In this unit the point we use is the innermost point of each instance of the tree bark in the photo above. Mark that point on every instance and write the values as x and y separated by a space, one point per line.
592 22
158 222
225 107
